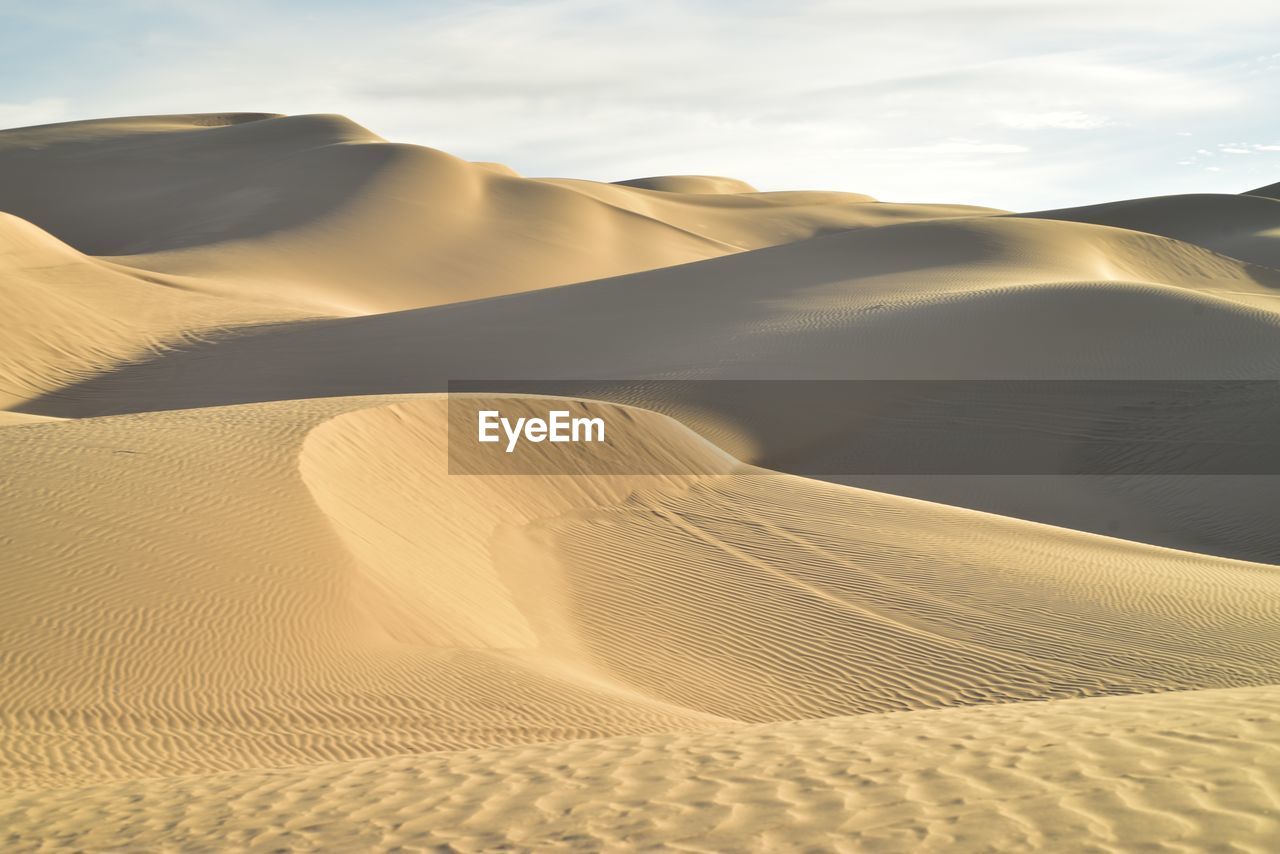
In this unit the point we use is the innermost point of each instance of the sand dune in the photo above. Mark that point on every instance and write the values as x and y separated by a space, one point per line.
246 602
333 593
1271 191
212 623
69 316
1245 226
698 184
995 297
319 213
1183 771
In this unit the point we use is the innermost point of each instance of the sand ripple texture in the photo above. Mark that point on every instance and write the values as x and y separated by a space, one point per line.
1193 771
336 594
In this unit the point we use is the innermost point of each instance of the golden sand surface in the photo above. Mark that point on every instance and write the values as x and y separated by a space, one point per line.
244 603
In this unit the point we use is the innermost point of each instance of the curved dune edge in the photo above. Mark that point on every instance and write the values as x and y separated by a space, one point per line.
1184 770
336 594
696 184
425 537
17 419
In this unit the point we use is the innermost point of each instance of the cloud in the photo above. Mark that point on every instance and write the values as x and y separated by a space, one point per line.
964 146
1245 147
1065 119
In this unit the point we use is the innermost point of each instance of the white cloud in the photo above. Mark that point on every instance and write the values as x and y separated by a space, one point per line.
1065 119
964 146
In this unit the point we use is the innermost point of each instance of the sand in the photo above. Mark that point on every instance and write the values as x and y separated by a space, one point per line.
244 603
1182 771
236 200
1245 226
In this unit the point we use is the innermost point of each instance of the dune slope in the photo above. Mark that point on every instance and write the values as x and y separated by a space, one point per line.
994 298
997 298
69 317
1245 226
1271 191
334 593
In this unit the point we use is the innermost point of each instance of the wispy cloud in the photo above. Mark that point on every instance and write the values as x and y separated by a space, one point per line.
964 146
1066 119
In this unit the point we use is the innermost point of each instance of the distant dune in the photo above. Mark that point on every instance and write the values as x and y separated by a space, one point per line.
710 184
1246 227
1271 191
388 227
246 602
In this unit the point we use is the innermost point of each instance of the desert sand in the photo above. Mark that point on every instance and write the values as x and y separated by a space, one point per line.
246 604
1180 771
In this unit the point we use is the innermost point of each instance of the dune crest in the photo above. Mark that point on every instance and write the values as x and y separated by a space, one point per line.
691 184
1271 191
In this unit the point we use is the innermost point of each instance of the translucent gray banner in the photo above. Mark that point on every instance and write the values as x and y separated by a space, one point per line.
869 427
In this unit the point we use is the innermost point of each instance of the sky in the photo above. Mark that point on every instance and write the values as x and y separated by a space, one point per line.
1023 105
